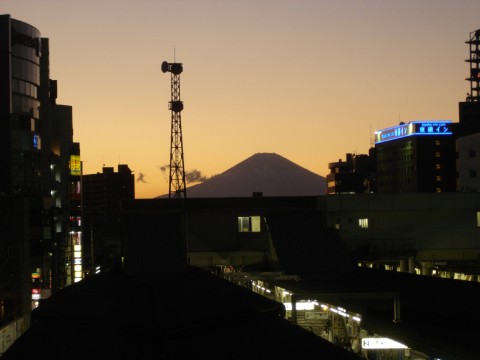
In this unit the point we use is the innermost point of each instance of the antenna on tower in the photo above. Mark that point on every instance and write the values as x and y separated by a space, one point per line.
176 179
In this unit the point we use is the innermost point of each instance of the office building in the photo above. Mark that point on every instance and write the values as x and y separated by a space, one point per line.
468 163
416 157
355 175
101 197
36 141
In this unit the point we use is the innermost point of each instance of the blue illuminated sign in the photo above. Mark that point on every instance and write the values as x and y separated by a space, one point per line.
436 128
36 142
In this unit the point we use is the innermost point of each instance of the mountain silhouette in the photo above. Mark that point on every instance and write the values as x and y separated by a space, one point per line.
267 173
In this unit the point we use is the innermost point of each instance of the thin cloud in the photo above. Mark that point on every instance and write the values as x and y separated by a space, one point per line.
191 176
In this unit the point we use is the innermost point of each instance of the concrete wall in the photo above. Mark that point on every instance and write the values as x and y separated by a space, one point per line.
438 226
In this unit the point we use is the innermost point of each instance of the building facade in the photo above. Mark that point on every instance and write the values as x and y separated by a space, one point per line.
20 145
416 157
102 194
36 141
468 163
355 175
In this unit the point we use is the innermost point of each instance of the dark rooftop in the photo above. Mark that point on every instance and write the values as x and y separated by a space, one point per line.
183 316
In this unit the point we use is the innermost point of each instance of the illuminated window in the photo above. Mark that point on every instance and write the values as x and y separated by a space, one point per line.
363 223
438 166
438 190
438 178
249 224
337 223
437 154
437 142
478 218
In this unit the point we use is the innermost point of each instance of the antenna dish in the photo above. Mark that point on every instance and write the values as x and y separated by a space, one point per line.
164 66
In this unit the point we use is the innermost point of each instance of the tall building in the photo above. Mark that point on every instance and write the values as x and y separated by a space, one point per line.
416 157
355 175
102 194
36 141
20 142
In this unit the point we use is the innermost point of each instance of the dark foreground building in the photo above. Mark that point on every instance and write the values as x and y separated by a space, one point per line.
190 315
293 288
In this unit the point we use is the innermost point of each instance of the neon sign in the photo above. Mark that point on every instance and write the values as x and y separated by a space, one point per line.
436 128
75 167
37 142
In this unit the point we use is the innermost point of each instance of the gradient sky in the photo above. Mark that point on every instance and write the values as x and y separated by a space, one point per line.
308 80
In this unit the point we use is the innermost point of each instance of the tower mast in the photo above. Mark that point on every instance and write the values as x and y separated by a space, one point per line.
176 179
474 60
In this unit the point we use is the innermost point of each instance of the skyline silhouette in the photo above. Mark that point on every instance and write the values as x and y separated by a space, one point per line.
308 80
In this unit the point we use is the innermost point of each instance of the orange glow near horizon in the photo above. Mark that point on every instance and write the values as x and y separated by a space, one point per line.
308 80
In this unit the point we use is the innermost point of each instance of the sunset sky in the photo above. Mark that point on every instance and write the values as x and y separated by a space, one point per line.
310 80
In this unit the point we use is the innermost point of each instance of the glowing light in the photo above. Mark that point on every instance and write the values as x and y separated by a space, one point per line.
300 306
381 343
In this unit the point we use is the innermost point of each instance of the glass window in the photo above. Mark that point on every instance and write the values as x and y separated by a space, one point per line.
249 224
363 223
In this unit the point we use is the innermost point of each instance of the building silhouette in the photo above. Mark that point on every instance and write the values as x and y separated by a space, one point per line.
355 175
102 194
286 249
36 149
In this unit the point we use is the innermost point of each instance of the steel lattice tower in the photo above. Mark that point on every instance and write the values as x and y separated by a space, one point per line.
176 179
474 60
